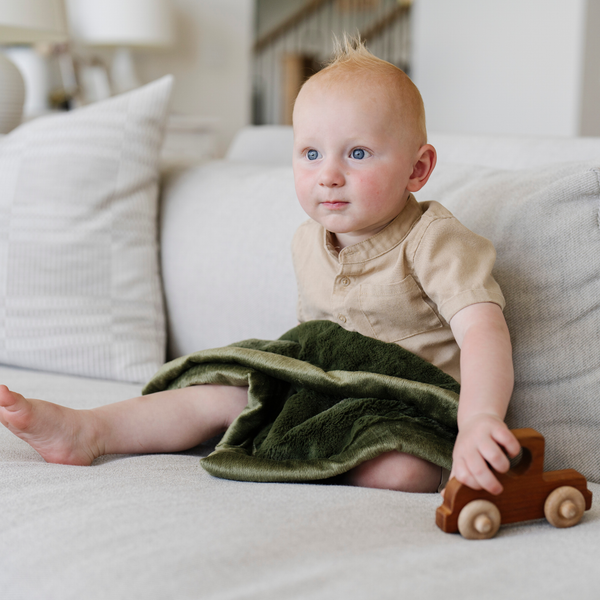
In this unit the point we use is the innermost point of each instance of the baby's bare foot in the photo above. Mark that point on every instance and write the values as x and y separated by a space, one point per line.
60 434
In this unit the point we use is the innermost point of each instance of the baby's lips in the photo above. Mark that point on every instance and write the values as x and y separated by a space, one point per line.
334 203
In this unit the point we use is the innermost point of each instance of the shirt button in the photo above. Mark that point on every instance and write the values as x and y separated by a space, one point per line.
345 281
342 318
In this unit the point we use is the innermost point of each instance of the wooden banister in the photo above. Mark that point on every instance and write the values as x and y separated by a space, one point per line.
375 29
312 7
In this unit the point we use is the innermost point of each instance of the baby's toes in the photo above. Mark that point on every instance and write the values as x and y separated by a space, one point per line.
15 410
11 400
7 398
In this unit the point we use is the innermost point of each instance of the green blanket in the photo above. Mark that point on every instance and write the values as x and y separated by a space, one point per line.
321 400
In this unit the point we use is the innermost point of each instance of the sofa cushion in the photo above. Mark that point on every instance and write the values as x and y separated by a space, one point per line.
80 290
512 152
158 526
226 238
544 223
262 144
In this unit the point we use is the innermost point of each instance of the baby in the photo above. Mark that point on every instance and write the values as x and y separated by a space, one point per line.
371 259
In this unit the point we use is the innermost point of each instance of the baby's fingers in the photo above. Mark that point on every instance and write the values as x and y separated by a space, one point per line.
494 456
476 474
506 438
461 472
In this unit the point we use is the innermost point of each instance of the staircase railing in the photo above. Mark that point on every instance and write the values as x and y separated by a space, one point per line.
296 48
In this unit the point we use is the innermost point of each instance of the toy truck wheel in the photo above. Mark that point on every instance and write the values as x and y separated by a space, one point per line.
479 520
564 506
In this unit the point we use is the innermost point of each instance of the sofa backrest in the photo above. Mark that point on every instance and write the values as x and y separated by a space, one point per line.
227 227
544 223
272 145
266 145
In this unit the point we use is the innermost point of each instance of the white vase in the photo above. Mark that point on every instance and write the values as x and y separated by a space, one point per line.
12 95
34 69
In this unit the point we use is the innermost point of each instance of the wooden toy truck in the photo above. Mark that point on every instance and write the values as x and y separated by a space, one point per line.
529 493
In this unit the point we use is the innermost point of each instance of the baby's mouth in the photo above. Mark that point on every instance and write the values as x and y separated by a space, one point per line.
334 204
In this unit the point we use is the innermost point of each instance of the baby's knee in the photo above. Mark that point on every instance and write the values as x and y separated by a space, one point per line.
219 404
237 400
397 471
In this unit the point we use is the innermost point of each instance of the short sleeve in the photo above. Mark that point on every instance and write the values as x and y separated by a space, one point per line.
454 267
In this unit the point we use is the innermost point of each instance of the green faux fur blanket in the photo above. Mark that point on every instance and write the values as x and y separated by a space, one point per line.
321 400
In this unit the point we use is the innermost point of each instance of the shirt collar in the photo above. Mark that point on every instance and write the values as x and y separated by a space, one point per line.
384 241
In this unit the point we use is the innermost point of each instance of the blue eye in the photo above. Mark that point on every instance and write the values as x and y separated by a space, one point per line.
312 155
358 153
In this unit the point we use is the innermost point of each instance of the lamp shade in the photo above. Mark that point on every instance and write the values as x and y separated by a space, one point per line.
146 23
30 21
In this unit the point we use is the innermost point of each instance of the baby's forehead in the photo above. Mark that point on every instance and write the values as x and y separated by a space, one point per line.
381 89
360 95
389 92
333 79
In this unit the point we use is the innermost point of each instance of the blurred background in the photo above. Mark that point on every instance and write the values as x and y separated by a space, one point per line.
483 66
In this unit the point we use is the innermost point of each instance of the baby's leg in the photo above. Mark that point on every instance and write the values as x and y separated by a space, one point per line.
168 421
396 471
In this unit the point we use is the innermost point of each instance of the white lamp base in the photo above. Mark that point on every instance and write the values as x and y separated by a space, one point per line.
12 95
123 75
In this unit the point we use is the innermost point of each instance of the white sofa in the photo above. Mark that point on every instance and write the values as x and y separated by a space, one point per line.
158 526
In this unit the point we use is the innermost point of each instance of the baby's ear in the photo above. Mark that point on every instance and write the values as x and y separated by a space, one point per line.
426 159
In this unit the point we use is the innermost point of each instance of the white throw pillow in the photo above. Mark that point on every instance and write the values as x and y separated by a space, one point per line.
80 289
544 223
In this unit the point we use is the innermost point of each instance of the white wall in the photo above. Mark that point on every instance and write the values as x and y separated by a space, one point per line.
210 62
510 66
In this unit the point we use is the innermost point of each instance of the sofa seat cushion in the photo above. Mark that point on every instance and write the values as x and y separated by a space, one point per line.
158 526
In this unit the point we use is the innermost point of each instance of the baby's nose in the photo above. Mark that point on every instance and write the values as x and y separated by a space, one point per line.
331 175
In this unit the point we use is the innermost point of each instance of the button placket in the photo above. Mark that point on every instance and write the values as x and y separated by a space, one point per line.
342 287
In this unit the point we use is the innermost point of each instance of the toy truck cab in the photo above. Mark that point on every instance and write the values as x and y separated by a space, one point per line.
529 493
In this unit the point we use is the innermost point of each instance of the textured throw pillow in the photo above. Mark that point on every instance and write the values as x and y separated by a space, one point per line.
80 290
545 225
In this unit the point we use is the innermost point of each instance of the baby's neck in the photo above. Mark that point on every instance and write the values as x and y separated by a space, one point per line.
343 240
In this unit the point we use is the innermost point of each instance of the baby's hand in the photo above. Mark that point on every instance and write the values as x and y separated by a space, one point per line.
478 445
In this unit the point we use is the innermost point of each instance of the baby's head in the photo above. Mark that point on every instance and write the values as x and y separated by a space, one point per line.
356 71
360 144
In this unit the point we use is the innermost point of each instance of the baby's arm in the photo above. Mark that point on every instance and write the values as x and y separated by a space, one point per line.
487 379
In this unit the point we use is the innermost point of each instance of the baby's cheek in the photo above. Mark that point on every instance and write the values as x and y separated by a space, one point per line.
373 187
305 198
302 188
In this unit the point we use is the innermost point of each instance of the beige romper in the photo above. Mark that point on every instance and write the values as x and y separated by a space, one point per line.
402 285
